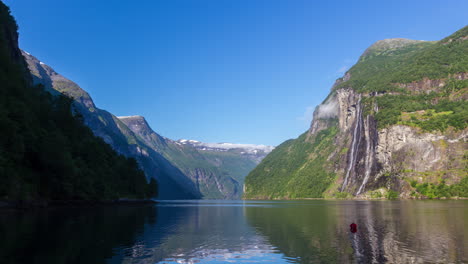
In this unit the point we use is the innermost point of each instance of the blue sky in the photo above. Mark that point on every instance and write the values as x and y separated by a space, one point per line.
219 70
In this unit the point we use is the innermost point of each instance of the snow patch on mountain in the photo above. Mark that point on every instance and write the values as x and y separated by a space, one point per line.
246 148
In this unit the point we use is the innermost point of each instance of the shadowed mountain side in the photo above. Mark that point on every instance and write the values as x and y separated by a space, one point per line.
46 152
173 184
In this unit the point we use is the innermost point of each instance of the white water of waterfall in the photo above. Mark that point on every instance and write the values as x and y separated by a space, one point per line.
354 144
369 157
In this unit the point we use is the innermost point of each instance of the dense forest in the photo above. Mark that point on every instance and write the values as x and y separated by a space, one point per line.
46 152
292 173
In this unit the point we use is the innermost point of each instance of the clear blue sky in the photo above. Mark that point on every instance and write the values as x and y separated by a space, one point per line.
242 71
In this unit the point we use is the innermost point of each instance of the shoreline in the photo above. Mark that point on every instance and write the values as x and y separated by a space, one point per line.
354 199
43 204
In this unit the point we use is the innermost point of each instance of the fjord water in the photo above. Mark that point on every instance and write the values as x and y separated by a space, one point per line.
314 231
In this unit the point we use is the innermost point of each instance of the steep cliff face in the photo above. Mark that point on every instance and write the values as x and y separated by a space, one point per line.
357 138
390 157
217 171
173 183
400 118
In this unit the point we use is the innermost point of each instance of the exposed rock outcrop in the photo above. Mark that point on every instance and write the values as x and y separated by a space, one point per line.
400 151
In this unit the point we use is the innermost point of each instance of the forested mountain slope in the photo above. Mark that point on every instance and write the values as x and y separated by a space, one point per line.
46 153
394 125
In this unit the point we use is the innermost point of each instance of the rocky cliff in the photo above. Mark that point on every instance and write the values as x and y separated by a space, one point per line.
394 125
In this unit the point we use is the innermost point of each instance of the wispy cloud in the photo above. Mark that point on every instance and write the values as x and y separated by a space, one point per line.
306 118
328 109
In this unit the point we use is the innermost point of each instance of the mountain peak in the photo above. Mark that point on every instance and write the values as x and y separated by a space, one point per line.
53 81
460 35
386 46
136 123
134 117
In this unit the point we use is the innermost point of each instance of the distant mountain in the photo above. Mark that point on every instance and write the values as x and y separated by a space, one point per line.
217 170
255 152
173 184
184 169
395 125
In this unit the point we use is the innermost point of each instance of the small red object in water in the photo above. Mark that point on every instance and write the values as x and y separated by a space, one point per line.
353 228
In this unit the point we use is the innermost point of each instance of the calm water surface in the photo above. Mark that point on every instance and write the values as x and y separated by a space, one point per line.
240 232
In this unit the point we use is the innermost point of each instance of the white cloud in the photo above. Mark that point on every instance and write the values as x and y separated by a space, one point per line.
328 109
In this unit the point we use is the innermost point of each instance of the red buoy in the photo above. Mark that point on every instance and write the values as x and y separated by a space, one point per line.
353 228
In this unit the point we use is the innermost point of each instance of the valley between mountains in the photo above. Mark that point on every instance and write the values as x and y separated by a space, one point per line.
394 126
184 169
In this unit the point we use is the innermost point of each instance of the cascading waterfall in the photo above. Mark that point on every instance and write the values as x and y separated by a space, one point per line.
369 156
354 144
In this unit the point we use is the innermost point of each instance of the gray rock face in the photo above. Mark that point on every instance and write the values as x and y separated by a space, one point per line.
403 146
398 150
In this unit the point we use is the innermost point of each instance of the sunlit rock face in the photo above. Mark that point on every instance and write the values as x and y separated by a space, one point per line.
397 149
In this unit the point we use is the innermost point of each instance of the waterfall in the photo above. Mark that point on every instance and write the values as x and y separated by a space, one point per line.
354 144
369 156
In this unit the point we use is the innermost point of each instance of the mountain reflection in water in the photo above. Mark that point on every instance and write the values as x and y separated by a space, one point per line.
240 232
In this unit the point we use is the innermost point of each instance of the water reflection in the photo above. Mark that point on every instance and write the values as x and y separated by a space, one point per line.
240 232
203 232
388 232
74 235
